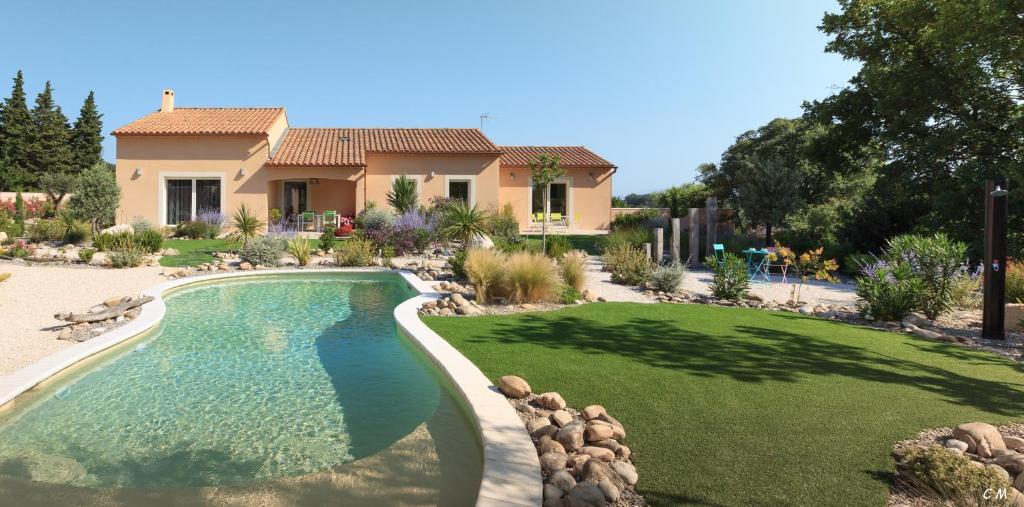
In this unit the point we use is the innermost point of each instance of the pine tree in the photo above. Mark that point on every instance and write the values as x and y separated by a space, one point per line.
87 136
50 150
15 137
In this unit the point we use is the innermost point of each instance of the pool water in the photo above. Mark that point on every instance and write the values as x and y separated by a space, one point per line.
248 382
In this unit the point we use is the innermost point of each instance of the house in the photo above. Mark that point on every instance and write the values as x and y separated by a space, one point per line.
176 163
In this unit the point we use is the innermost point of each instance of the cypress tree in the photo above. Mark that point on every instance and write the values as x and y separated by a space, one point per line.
87 136
50 150
15 137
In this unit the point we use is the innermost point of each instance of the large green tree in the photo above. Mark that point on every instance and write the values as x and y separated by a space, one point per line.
15 138
50 149
940 92
87 136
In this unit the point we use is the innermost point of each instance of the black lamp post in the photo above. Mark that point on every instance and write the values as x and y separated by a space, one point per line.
994 290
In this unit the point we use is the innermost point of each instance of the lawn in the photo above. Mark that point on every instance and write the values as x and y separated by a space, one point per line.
193 252
731 406
590 243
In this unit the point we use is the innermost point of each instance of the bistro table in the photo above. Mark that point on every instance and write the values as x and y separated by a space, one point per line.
757 264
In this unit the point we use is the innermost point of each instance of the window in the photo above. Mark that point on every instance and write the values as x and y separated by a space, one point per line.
459 190
558 201
188 197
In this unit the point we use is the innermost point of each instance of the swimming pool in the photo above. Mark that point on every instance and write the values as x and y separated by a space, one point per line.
285 389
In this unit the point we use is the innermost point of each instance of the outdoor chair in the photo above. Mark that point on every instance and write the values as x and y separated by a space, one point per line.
330 218
306 219
557 217
719 250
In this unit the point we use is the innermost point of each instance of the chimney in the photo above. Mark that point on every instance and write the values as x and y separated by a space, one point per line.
167 105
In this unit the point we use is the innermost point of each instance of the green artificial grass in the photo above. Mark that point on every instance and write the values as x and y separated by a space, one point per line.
590 243
731 406
193 252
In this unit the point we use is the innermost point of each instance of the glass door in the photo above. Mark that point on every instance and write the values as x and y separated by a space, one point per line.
295 195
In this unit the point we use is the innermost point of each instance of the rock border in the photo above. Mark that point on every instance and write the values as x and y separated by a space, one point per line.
511 471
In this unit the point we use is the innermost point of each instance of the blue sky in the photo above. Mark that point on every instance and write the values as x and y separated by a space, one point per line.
656 87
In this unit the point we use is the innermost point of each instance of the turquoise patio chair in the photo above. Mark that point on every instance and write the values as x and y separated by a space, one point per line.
719 251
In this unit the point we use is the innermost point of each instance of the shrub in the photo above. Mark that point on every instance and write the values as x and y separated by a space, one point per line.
942 475
965 293
245 226
141 224
299 248
641 220
71 230
457 261
125 258
264 250
372 218
936 261
485 269
629 265
531 277
114 241
462 222
354 252
148 240
620 237
399 240
85 255
327 239
888 291
214 221
42 230
557 246
730 279
667 278
403 195
520 246
96 197
1015 282
853 263
569 295
193 229
504 226
573 268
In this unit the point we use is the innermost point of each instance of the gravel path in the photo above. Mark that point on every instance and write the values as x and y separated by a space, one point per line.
30 297
697 282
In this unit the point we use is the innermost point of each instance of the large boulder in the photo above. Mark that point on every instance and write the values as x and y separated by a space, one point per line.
561 418
592 412
551 401
513 387
596 471
1013 442
1012 461
550 445
118 229
562 479
982 438
598 432
586 494
481 240
553 460
626 470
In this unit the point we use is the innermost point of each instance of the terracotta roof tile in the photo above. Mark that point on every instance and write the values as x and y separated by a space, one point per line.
349 146
204 121
572 156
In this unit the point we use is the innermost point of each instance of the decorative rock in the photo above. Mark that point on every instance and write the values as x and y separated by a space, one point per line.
597 471
170 252
586 494
468 310
999 470
549 444
927 334
458 299
623 452
627 471
599 453
562 480
609 444
1019 482
592 412
551 461
64 334
807 310
118 229
561 418
576 461
3 236
528 306
1012 461
571 436
953 443
1013 442
610 491
598 432
551 401
552 491
982 439
245 266
513 387
545 431
537 423
112 302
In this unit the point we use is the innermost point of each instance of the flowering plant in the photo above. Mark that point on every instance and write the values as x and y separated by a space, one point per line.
808 264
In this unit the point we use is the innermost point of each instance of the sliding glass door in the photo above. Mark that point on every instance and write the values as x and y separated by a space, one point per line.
187 198
558 202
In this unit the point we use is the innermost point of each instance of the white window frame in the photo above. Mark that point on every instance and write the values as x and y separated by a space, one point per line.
418 178
458 178
162 197
567 180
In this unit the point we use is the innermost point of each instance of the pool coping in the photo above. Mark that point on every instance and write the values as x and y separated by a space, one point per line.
511 469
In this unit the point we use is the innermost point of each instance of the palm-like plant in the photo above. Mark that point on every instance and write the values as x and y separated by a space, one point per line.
245 225
462 222
403 195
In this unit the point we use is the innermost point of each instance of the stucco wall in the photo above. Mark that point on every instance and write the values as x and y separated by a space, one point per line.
160 157
590 198
483 169
338 188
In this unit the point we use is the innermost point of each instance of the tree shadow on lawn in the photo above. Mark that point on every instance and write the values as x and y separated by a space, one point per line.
767 354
